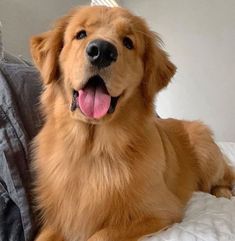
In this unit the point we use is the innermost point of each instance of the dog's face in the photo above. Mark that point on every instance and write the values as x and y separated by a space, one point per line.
101 57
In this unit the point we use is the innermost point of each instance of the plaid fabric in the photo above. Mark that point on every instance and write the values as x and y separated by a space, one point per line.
109 3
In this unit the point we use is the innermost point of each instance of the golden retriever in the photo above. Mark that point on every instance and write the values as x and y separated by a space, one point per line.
106 168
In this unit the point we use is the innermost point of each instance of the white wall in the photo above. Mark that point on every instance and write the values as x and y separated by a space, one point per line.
200 37
23 18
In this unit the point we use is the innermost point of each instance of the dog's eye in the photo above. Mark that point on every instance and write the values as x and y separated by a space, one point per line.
127 42
81 34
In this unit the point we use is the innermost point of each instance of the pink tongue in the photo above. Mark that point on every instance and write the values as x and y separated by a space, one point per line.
94 102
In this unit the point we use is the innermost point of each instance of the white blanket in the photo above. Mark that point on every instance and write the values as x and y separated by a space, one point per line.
207 218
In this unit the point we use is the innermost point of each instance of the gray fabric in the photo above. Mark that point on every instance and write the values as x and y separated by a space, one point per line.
10 227
12 59
19 123
23 82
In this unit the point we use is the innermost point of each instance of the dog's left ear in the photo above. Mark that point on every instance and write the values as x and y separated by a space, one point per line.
46 48
158 68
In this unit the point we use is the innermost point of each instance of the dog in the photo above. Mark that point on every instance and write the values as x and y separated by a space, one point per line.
106 169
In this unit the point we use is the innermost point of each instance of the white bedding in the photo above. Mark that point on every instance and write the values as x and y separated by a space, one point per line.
207 218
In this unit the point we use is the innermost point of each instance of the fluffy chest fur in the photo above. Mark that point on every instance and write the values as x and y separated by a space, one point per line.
89 177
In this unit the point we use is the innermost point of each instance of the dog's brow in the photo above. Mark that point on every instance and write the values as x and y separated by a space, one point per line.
93 24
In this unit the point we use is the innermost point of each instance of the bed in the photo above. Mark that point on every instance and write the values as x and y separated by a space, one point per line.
207 218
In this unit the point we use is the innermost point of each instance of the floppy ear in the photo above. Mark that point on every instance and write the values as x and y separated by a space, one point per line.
46 48
158 68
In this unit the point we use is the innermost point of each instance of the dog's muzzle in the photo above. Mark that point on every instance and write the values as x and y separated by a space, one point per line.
93 99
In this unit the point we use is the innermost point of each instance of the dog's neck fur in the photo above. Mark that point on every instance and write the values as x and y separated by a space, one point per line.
119 127
128 130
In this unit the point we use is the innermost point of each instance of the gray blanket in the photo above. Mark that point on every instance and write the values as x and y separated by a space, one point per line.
19 123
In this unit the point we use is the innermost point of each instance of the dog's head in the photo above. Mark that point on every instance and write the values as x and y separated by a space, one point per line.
101 58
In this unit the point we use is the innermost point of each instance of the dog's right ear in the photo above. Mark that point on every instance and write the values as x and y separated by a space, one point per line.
46 48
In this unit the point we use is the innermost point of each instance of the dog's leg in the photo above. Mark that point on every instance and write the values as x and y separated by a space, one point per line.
48 234
216 177
134 231
223 188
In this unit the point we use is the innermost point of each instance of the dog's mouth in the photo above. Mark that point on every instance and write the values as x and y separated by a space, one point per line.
93 99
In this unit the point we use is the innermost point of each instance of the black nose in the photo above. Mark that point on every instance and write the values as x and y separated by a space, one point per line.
101 53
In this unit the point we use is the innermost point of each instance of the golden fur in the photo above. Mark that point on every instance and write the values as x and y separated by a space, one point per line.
129 173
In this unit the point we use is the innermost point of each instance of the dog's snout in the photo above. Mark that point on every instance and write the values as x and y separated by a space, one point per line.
101 53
